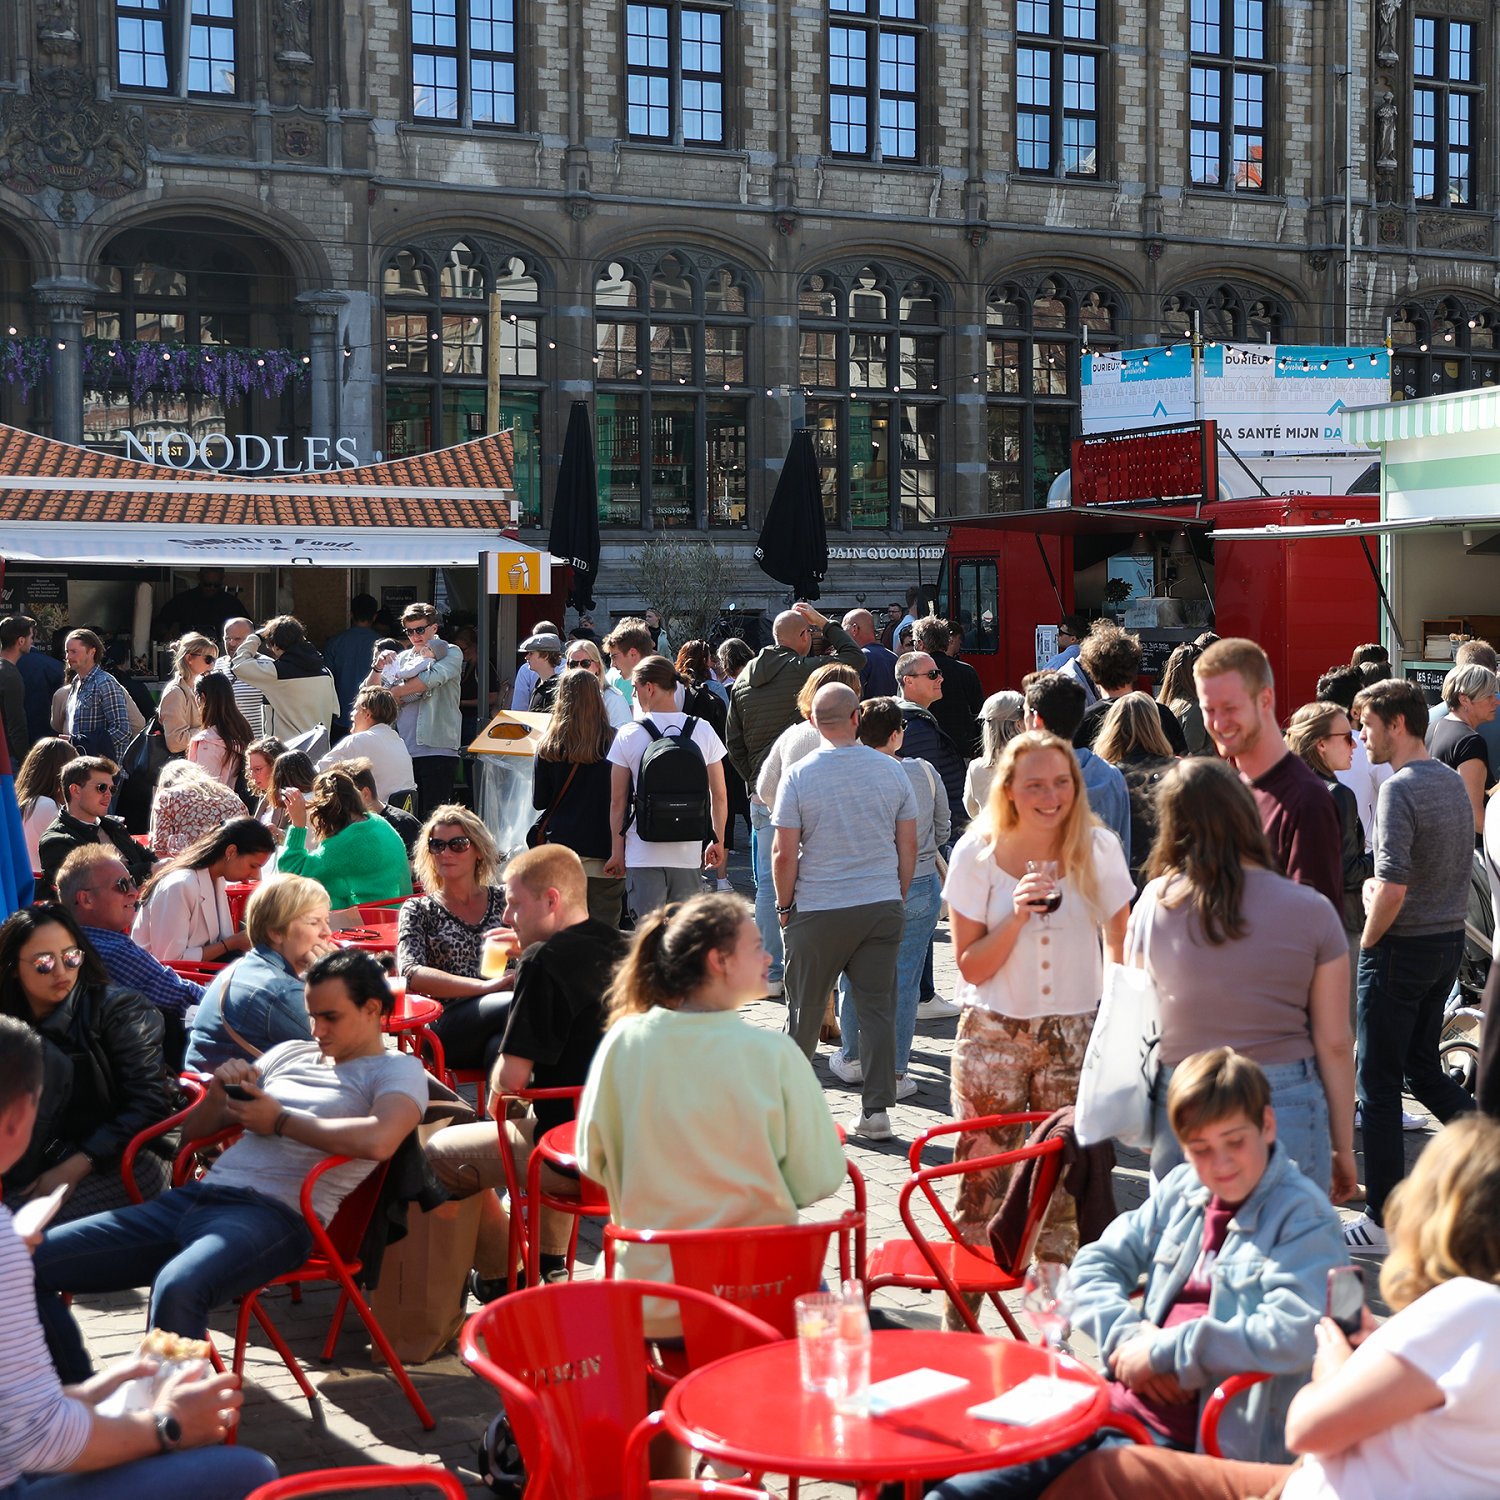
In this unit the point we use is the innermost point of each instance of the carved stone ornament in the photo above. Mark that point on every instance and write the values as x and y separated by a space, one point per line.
57 31
1385 114
1453 232
1390 228
299 139
60 137
183 132
1387 17
291 23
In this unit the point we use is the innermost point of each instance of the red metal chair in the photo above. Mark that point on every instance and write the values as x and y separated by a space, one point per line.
1213 1409
372 914
570 1364
956 1267
520 1201
191 1083
200 973
556 1147
637 1487
368 1477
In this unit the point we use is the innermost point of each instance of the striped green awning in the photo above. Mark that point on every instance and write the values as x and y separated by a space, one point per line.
1432 416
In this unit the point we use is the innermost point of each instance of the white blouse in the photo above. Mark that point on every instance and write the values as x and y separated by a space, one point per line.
186 912
35 826
1056 969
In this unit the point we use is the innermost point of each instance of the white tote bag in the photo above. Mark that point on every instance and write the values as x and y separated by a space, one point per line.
1123 1058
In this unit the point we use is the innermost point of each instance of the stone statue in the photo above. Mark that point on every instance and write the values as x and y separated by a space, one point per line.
1385 113
291 23
57 30
1387 12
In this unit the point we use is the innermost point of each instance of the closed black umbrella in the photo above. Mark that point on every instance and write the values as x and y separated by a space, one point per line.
575 509
793 546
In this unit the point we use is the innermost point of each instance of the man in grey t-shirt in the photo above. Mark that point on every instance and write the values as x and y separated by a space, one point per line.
845 819
1413 939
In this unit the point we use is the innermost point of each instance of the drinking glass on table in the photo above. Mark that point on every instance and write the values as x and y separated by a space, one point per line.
396 983
1047 1299
818 1315
1047 869
499 947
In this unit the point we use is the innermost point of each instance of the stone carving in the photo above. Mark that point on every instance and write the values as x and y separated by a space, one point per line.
57 31
301 141
60 137
291 24
1387 13
1453 232
181 131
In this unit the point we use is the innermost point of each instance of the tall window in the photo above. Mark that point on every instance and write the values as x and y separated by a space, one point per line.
148 46
1444 110
674 79
1229 93
869 356
1452 347
1034 342
671 366
463 61
1058 69
873 89
438 347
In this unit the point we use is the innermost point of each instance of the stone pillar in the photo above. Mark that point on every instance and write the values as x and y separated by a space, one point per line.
67 299
322 309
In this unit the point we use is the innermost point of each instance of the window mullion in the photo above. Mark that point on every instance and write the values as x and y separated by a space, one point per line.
465 67
674 72
181 47
872 91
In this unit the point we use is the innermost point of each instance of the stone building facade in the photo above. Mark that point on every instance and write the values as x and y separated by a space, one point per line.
897 222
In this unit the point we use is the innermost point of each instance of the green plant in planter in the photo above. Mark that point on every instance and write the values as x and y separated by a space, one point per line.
1117 591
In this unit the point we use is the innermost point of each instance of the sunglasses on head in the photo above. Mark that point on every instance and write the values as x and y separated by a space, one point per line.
45 963
459 845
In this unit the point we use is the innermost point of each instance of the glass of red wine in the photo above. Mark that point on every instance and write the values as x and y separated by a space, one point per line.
1047 869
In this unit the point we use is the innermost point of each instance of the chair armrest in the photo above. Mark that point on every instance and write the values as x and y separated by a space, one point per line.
375 1476
1213 1408
958 1127
190 1084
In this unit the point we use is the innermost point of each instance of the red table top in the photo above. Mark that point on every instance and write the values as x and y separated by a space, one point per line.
372 939
750 1409
420 1011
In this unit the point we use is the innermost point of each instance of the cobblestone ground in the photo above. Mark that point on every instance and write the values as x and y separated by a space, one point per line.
363 1417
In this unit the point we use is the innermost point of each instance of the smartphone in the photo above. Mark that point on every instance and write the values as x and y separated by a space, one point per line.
1346 1298
238 1091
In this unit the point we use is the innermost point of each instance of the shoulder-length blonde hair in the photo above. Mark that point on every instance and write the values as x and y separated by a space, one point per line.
1309 726
186 647
998 819
579 732
1444 1220
486 855
1131 724
835 671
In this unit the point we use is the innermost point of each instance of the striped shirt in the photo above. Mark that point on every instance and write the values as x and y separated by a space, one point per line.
248 698
42 1431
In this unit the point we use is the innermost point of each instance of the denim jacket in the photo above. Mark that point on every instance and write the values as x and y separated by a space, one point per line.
261 998
1270 1285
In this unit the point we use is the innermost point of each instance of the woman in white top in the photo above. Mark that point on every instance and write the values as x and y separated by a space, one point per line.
39 789
799 740
192 656
1003 717
376 740
184 910
219 747
1029 983
1404 1410
616 704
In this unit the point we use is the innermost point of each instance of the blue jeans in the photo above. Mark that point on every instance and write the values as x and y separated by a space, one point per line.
203 1473
197 1248
1403 983
761 834
923 901
1301 1121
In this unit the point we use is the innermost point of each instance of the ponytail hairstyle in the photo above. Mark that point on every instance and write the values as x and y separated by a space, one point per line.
659 672
669 956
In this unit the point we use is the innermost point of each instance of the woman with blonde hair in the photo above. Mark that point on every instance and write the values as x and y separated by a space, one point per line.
179 710
440 936
39 789
1133 742
585 654
1002 717
571 786
1029 981
359 857
1402 1410
692 1118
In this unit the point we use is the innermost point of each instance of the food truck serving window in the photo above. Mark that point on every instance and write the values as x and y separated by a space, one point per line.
977 586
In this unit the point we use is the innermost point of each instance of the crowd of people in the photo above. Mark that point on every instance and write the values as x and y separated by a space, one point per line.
1297 899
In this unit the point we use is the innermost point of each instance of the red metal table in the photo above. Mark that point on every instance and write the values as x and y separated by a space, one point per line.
410 1029
372 939
750 1409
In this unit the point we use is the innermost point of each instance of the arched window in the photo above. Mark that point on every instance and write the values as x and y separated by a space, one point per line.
438 336
1447 346
671 331
868 362
1226 312
1037 330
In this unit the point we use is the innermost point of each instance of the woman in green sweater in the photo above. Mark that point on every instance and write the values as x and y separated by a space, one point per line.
692 1118
359 858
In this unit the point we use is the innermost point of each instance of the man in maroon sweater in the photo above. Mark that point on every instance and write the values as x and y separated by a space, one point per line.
1238 698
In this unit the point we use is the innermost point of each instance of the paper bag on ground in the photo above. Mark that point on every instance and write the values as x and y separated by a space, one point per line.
420 1300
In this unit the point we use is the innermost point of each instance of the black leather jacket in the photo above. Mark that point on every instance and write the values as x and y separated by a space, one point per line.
106 1041
65 833
1358 866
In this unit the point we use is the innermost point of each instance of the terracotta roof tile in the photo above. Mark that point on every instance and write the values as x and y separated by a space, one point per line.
483 468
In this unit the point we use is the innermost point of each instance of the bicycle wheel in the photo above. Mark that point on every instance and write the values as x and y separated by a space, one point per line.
1460 1061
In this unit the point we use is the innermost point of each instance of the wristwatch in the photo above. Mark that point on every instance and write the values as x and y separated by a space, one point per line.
168 1431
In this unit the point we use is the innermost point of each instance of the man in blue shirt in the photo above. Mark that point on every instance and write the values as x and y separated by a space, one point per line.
1055 702
349 653
1068 636
43 675
877 678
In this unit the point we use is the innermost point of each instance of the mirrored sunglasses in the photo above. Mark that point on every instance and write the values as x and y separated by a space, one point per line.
45 963
458 845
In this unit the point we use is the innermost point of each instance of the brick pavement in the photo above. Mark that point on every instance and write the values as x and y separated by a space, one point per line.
363 1416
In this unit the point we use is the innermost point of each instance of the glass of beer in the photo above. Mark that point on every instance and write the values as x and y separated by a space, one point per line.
500 946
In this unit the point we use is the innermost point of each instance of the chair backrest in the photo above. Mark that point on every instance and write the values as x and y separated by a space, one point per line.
379 916
365 1477
570 1362
761 1270
1044 1184
353 1217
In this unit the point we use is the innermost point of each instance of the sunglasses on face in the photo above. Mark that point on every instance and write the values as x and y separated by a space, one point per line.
582 661
124 885
209 657
460 845
45 963
102 786
415 629
932 676
1348 735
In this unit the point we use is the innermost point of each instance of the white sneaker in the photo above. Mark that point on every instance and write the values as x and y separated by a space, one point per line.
1364 1236
906 1086
774 989
876 1127
1408 1121
725 886
847 1069
937 1009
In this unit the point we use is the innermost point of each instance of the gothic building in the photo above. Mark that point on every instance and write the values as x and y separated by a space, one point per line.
897 222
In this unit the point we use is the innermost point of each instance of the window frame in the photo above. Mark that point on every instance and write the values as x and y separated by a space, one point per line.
875 21
465 56
676 74
1229 65
181 27
1445 92
1058 45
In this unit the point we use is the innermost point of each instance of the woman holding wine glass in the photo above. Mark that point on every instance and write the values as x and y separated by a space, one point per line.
1032 888
442 948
